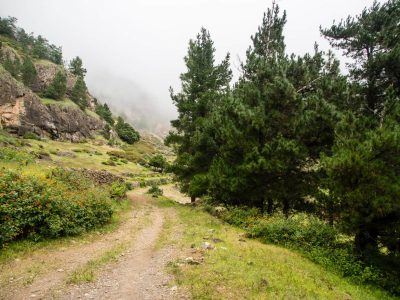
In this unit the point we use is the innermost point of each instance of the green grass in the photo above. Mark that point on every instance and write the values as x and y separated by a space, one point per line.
251 270
92 114
66 102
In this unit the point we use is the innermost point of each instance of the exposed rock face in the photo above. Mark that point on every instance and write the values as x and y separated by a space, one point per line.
22 111
46 71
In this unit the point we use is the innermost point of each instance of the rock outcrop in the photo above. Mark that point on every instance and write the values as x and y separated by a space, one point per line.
46 71
22 111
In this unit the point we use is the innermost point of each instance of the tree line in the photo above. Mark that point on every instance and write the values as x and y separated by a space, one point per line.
295 133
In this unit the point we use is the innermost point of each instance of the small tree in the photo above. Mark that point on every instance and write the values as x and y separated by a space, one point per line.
106 132
76 67
28 72
105 113
79 93
158 162
126 132
13 66
7 26
56 90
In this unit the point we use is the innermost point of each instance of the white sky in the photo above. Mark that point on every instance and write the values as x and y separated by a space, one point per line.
144 41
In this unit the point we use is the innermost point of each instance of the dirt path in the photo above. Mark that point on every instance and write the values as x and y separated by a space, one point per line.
171 191
137 274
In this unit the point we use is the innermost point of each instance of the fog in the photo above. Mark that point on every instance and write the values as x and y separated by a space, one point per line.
133 49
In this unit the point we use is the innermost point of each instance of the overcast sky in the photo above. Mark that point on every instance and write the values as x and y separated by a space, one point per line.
143 42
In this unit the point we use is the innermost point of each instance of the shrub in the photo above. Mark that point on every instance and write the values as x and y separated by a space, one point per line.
118 190
61 205
299 230
155 191
109 163
158 162
15 155
240 216
31 136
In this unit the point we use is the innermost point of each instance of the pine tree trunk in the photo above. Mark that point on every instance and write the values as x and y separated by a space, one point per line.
270 206
366 239
286 208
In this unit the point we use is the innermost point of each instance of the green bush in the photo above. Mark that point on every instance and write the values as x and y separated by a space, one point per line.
15 155
118 190
63 204
299 230
241 217
155 191
31 136
109 163
158 162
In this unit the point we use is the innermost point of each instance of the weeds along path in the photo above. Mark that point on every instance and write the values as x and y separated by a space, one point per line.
45 273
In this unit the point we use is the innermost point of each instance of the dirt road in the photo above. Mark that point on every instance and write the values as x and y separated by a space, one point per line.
137 273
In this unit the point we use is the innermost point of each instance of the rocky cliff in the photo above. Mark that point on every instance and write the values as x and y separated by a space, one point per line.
22 111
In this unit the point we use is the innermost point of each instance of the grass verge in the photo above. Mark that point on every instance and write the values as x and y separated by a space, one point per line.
239 268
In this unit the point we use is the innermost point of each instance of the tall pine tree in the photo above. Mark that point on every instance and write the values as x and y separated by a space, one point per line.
204 84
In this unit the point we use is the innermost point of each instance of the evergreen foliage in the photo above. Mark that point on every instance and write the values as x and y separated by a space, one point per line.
158 162
295 134
13 66
76 67
126 132
28 72
57 89
363 170
204 85
79 93
105 113
37 47
8 27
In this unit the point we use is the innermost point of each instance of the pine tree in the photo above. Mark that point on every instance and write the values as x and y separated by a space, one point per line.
126 132
372 40
58 87
13 66
79 93
105 113
363 169
76 67
261 159
204 84
28 72
8 27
